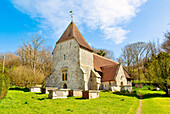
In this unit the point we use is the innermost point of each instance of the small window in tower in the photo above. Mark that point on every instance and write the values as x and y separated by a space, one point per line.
64 74
64 57
63 77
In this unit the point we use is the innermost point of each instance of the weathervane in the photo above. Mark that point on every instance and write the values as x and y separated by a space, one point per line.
71 14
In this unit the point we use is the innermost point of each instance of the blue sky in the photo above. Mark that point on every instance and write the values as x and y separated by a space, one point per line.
110 25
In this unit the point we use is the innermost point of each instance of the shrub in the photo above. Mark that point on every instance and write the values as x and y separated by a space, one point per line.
23 76
4 85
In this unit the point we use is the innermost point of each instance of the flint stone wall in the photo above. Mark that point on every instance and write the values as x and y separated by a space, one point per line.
120 77
86 64
79 63
75 79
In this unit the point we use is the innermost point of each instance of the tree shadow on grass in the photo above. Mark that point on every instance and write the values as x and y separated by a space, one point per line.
145 96
127 94
104 90
39 93
80 98
41 99
20 89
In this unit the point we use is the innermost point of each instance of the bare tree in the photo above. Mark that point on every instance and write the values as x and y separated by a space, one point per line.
132 55
166 43
127 56
36 59
29 52
104 52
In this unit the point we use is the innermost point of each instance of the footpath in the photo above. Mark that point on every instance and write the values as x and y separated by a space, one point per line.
140 106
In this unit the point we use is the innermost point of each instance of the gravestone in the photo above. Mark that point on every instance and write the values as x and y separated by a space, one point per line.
49 88
36 88
57 93
75 93
90 94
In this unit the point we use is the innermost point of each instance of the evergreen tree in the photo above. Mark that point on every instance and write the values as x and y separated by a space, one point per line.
159 70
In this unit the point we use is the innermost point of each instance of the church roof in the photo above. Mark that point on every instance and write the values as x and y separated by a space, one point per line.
100 61
127 74
107 68
109 73
73 32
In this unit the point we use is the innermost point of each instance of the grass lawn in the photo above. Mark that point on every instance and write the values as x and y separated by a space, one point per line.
154 102
156 105
18 101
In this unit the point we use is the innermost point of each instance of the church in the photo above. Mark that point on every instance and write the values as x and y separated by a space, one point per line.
77 67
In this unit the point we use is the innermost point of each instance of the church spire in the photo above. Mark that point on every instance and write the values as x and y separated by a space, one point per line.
73 32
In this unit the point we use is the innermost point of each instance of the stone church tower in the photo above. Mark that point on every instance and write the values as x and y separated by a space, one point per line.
73 63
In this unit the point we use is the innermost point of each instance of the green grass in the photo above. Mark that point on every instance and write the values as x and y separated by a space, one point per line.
145 91
154 102
18 101
156 105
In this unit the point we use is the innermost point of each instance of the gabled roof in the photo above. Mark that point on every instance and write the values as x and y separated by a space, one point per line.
99 61
127 74
109 73
73 32
107 68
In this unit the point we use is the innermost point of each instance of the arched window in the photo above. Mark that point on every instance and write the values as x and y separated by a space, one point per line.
65 86
64 74
63 77
121 84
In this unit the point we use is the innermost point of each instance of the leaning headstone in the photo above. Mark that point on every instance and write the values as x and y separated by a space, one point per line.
36 88
90 94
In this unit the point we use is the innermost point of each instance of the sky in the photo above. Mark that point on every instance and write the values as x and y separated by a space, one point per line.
106 24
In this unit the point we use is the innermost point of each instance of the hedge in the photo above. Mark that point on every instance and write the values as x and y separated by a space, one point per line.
4 85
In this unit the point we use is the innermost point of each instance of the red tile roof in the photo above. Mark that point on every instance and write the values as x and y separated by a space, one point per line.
127 74
109 73
100 61
73 32
107 68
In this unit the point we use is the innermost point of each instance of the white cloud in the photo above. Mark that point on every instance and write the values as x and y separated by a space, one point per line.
105 15
117 34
